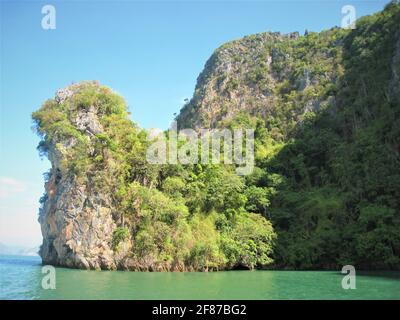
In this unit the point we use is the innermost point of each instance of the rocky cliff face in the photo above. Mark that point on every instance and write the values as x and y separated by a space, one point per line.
274 75
262 73
76 224
105 207
76 218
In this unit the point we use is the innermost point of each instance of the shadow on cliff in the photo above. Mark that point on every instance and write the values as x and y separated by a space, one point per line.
339 202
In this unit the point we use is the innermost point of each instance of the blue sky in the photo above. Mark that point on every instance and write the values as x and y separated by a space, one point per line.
149 52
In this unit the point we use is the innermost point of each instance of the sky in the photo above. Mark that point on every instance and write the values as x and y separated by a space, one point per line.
150 52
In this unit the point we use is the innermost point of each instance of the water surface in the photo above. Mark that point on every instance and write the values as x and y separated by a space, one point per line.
21 277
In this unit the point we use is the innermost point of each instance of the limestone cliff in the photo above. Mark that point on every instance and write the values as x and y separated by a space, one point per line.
105 207
264 74
76 217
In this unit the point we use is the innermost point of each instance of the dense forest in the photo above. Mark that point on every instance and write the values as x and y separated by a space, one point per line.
325 190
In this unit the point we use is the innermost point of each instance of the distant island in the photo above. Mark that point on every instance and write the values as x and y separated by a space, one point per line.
18 250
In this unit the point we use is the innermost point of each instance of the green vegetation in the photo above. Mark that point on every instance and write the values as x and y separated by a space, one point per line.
337 199
120 234
177 217
325 190
327 138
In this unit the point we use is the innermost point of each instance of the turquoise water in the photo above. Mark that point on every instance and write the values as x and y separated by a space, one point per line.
21 278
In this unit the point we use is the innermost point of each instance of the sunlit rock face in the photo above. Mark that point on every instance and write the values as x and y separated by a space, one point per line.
254 74
76 226
76 221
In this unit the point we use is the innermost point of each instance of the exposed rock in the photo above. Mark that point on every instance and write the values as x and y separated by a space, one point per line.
76 222
86 120
249 74
63 94
305 81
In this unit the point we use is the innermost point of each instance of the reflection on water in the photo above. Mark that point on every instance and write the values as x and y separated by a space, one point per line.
21 279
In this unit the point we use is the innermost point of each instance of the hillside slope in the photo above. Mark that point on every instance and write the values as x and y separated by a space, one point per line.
326 112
